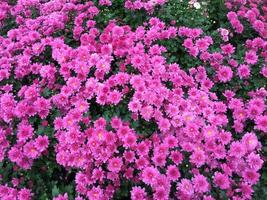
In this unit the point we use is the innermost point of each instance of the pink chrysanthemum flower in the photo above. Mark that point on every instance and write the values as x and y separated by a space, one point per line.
228 49
114 97
264 71
176 157
164 125
200 183
225 74
251 176
186 187
173 172
96 193
138 193
237 149
251 57
243 71
250 141
261 123
198 158
221 180
30 150
134 106
74 83
41 143
25 131
149 174
254 160
24 194
115 164
161 194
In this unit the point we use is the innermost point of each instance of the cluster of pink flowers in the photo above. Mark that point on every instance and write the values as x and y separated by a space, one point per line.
236 24
222 61
4 11
249 11
118 64
10 193
27 147
224 34
148 5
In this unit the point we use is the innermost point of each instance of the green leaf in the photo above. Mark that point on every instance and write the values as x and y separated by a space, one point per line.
55 191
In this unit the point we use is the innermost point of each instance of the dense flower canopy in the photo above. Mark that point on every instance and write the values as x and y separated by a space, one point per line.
102 101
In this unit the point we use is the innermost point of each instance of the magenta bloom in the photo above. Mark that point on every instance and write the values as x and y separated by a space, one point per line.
117 31
251 176
261 123
24 194
74 83
225 74
237 149
114 97
173 173
243 71
149 174
41 143
185 187
198 158
264 71
30 150
134 106
25 131
138 193
161 194
200 183
250 141
115 164
255 162
164 124
176 157
228 49
221 180
251 57
96 193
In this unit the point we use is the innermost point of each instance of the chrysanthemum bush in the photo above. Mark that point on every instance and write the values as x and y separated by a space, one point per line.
133 99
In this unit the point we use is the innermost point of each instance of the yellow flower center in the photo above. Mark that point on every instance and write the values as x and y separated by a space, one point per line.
251 141
209 133
95 194
100 135
188 118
